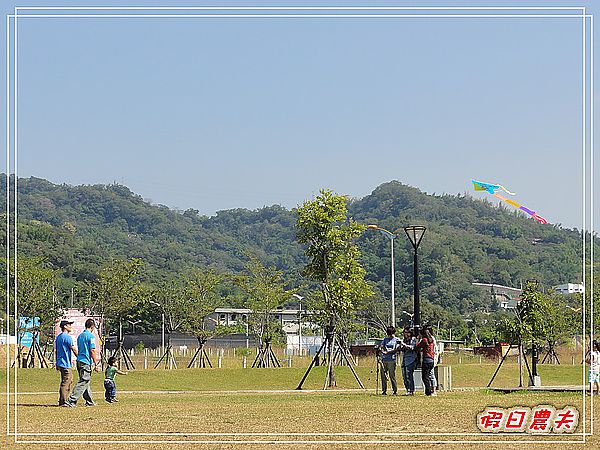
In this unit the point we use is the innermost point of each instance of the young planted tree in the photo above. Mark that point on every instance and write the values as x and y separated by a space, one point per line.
265 290
559 325
530 324
203 298
324 227
173 296
115 292
36 298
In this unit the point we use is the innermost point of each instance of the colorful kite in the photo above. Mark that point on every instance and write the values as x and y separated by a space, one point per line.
492 188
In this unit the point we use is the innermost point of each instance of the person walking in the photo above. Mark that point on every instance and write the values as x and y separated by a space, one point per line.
63 346
593 359
87 360
425 344
409 360
389 349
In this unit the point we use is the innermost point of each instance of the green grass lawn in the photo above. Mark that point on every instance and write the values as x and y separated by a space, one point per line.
215 402
463 376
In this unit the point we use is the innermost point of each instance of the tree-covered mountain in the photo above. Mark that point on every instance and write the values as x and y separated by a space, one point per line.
79 228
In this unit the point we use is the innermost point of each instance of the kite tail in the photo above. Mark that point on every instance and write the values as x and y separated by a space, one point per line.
523 208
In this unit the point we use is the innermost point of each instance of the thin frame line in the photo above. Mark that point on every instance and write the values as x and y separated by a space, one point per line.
584 224
592 112
15 140
280 16
303 434
275 441
305 8
8 225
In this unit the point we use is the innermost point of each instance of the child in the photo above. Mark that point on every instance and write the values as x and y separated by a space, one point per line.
594 374
110 394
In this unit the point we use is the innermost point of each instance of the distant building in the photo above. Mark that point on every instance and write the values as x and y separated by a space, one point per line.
228 317
288 318
506 297
569 288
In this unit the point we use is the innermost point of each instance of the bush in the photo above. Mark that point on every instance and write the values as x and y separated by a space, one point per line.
243 351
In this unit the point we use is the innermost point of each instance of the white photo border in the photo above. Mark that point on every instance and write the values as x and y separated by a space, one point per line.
11 113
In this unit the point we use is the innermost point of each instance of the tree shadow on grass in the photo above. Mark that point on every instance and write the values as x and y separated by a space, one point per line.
37 405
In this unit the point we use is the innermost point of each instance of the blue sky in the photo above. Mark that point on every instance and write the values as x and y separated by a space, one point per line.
223 113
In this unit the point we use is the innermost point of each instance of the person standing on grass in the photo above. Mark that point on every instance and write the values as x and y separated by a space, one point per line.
409 360
87 360
110 388
593 360
436 358
389 349
425 344
63 346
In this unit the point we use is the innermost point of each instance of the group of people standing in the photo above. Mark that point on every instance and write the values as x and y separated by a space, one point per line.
88 361
412 346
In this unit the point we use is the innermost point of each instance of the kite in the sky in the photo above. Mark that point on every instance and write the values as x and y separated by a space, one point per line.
492 188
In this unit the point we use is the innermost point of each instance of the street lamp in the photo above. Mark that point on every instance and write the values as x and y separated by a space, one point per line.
163 323
133 324
409 314
415 234
392 236
300 298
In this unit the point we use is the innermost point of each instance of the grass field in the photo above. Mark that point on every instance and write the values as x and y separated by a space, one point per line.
197 402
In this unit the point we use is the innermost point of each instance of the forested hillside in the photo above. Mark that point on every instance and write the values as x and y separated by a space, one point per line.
78 228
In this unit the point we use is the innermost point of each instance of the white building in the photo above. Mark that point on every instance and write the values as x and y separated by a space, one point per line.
569 288
230 316
288 318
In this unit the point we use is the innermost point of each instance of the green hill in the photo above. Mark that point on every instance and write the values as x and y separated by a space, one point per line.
78 228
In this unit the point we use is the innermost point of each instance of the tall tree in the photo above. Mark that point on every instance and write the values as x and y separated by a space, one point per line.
116 291
36 298
173 296
323 226
36 290
203 298
328 233
117 288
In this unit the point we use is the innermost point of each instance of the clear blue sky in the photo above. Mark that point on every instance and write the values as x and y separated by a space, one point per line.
215 114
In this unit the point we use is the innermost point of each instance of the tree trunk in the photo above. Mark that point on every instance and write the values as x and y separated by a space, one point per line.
520 364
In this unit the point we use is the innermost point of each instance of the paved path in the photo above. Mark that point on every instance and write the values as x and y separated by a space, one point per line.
240 391
566 388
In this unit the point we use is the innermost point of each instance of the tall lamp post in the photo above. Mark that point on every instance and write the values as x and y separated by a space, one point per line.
163 324
300 298
392 236
415 234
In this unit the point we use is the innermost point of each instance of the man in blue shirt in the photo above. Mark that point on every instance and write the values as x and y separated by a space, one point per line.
87 360
63 346
389 348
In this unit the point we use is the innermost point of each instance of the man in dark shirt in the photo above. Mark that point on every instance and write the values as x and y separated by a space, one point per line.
409 360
